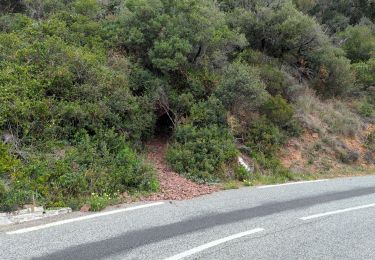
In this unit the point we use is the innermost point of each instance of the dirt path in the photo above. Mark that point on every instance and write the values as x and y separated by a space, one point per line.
172 185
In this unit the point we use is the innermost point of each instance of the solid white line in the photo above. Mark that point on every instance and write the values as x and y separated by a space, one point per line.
212 244
101 214
338 211
290 183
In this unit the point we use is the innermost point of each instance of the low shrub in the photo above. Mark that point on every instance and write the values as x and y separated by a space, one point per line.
279 112
241 173
100 164
208 112
263 137
366 109
15 198
3 190
98 203
201 153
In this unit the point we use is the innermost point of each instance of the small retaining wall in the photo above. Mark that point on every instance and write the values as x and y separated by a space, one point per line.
28 214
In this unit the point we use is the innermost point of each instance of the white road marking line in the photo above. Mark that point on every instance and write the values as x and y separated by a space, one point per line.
338 211
101 214
290 183
213 244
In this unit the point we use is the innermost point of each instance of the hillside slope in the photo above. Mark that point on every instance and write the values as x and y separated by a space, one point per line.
85 85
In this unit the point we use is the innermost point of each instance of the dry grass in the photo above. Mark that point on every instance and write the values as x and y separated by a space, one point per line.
333 140
329 117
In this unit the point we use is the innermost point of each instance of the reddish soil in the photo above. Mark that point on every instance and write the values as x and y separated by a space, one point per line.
172 185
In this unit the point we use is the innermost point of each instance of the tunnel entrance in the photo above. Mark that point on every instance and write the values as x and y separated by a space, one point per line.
164 126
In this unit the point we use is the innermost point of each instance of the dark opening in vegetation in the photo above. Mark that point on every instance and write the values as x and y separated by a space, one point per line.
164 125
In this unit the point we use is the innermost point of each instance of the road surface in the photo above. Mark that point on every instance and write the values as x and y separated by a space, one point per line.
330 219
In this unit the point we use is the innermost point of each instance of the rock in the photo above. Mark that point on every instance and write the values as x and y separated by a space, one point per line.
315 135
85 208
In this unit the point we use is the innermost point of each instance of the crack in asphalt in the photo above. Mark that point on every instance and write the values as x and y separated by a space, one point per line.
134 239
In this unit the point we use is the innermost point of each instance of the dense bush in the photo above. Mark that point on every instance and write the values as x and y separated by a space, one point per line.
359 43
281 31
279 112
100 164
202 153
208 112
264 137
365 73
241 88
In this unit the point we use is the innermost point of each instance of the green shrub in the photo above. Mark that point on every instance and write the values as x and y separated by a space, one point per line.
366 109
279 112
208 112
201 153
241 88
104 163
359 42
16 198
241 173
365 73
274 79
97 202
264 137
3 190
8 163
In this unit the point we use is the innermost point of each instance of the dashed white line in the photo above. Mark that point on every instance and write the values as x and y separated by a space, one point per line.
101 214
213 244
338 211
289 183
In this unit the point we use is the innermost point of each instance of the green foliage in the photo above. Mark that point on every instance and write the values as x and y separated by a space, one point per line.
8 163
241 173
208 112
359 43
15 198
365 73
333 73
274 79
279 112
82 83
281 31
101 164
174 34
241 88
338 14
98 203
366 109
201 153
264 137
3 190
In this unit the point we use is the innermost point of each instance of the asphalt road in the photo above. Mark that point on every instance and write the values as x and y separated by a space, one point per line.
333 219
